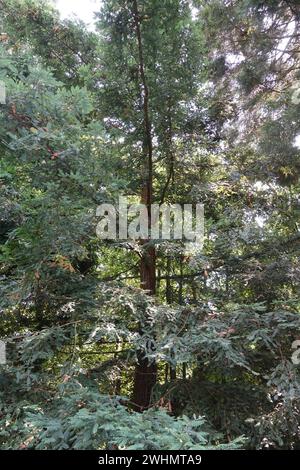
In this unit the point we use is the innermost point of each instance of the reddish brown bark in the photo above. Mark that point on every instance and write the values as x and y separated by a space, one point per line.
145 372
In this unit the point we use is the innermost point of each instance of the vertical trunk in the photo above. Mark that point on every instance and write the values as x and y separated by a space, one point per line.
169 300
180 302
145 372
184 371
180 288
117 385
173 374
169 296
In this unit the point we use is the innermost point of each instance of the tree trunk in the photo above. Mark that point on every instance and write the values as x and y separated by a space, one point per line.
145 372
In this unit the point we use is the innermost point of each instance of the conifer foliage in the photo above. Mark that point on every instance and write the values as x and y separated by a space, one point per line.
138 345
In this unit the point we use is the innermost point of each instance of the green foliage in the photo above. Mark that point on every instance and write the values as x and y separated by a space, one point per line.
72 312
83 419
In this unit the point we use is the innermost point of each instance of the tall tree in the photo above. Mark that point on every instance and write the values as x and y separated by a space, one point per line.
162 103
151 64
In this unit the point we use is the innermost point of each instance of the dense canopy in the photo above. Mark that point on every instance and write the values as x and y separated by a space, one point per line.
141 344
